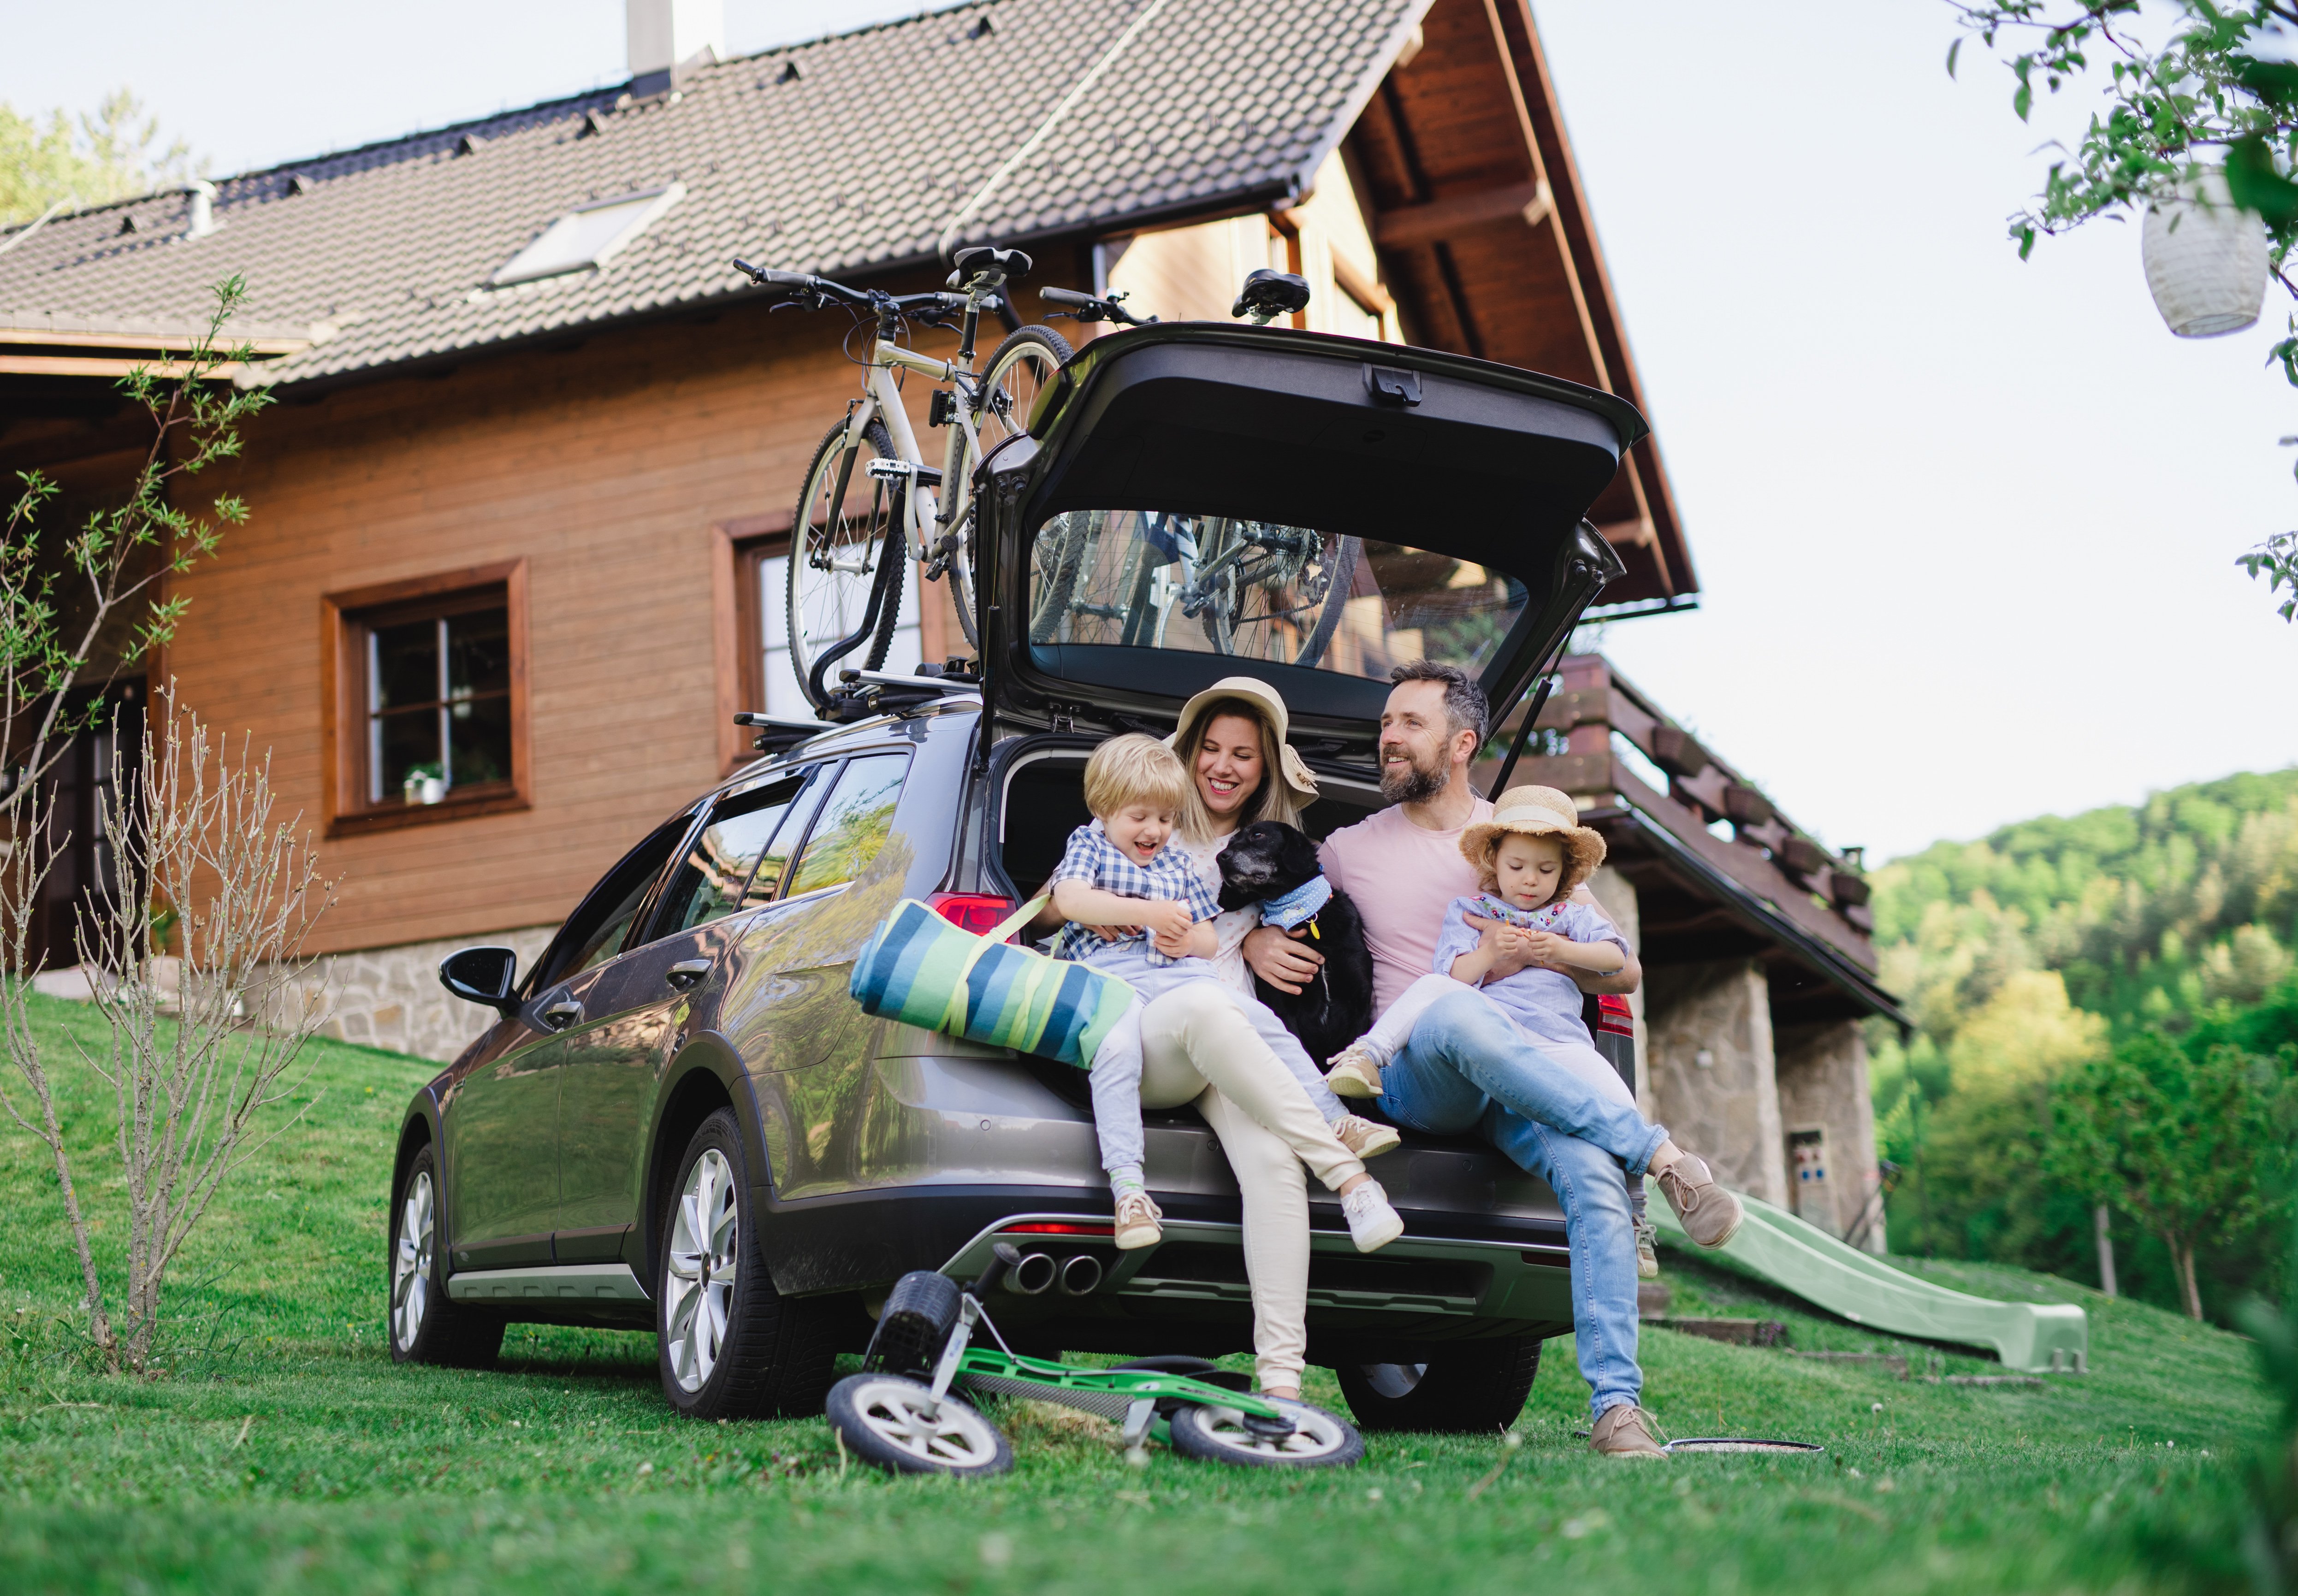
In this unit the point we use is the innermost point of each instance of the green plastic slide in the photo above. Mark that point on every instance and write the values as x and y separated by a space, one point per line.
1775 1245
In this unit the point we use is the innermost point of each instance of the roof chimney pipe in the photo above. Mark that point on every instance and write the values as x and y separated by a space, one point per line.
203 218
668 38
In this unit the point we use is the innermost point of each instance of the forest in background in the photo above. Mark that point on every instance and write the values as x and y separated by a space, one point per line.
2158 939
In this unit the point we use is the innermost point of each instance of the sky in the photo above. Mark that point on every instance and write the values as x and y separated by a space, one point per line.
1965 527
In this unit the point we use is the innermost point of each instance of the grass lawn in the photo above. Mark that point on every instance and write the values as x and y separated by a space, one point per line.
287 1452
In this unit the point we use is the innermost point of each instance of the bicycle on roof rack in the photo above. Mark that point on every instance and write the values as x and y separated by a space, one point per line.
1258 590
856 531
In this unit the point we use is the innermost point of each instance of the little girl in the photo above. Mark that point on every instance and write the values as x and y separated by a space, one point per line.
1529 856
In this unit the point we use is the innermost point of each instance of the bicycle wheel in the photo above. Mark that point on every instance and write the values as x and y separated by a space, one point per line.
1020 369
1063 550
1339 575
845 522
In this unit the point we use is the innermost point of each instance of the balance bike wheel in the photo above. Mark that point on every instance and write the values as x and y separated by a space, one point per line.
881 1420
1319 1440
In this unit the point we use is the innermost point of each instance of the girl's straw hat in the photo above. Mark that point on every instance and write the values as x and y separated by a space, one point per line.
1291 769
1539 812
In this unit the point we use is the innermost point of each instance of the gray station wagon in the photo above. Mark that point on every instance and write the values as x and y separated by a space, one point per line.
683 1121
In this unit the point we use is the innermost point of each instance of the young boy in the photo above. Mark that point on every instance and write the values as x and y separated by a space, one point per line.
1118 872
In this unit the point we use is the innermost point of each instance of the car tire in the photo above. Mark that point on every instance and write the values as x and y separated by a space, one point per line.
1467 1387
740 1350
421 1323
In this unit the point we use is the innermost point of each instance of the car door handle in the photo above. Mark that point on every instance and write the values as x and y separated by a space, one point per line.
687 973
559 1015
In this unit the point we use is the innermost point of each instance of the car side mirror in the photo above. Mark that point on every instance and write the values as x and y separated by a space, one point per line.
482 975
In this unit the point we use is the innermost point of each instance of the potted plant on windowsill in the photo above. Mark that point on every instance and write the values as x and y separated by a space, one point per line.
425 784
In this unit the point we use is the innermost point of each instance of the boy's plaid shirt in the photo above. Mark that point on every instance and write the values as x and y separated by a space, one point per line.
1093 859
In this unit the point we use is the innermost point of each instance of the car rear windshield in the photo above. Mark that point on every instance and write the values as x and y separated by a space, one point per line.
1258 591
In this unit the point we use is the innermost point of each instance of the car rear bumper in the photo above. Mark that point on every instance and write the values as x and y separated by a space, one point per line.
1451 1276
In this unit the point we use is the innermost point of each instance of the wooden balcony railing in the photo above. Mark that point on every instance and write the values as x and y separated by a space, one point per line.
1820 890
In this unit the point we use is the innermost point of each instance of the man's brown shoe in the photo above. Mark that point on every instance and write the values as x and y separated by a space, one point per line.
1624 1432
1711 1215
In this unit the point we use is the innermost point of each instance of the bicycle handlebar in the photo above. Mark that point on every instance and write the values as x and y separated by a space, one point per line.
1089 307
934 305
1002 1256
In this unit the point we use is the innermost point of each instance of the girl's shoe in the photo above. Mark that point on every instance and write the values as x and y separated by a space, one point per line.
1373 1224
1355 1072
1367 1138
1136 1221
1647 1250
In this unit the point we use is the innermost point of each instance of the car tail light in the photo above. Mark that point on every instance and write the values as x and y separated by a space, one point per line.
975 911
1049 1227
1615 1016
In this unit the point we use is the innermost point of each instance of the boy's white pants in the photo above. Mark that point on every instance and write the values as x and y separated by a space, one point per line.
1116 1072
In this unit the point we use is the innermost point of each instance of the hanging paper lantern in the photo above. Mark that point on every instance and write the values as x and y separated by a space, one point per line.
2205 260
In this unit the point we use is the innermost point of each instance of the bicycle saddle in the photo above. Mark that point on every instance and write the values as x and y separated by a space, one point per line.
1268 293
1007 263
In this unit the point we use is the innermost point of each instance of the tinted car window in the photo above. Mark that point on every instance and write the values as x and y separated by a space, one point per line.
720 872
595 933
856 820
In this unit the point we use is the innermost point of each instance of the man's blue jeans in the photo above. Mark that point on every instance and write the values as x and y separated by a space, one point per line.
1466 1065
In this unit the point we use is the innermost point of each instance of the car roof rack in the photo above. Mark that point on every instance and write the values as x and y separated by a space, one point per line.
778 733
862 694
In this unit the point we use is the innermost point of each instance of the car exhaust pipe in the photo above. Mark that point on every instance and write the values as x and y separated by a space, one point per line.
1081 1276
1031 1276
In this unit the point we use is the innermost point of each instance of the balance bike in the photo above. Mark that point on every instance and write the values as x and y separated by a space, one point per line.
901 1414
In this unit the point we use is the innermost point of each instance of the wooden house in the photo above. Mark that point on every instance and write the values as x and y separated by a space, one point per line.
519 512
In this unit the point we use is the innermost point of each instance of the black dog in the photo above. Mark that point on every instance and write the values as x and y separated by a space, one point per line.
1268 859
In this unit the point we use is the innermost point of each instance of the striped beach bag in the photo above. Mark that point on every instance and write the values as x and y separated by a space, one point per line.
921 969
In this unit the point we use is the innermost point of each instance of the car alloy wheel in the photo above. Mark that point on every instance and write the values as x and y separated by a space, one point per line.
411 1263
704 1241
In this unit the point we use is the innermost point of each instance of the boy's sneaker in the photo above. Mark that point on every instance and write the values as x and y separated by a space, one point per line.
1367 1138
1136 1221
1711 1215
1355 1072
1647 1250
1373 1224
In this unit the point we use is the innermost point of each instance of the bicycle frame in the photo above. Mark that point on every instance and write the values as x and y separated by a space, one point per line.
882 397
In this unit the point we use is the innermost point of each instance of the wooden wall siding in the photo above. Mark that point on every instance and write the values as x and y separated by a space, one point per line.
1193 273
605 468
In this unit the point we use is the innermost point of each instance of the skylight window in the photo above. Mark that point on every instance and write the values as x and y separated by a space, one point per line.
589 235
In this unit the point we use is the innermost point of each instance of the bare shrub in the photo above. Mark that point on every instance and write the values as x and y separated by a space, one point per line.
190 825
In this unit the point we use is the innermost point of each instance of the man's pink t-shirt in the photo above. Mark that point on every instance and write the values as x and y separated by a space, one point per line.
1402 876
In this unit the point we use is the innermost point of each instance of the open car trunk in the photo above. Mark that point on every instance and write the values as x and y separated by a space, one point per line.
1198 501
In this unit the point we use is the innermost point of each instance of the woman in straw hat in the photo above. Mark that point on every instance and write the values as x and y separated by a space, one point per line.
1201 1049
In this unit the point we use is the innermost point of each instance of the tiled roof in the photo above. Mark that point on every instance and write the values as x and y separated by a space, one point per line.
848 154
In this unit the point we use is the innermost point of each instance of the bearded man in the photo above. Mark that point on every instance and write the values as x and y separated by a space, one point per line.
1468 1066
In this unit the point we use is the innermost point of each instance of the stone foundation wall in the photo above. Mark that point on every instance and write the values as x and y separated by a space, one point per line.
1714 1081
1822 1080
391 996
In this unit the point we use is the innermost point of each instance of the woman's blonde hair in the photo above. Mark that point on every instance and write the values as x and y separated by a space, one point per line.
1133 769
1273 801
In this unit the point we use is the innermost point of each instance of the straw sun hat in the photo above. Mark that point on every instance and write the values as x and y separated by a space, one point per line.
1539 812
1295 773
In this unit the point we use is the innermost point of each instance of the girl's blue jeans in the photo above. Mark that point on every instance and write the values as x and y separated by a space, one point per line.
1466 1066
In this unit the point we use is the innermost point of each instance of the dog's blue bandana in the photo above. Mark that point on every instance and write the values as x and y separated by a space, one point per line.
1303 904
